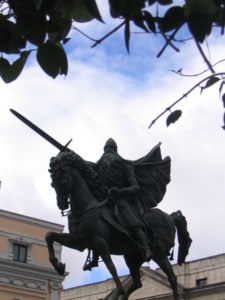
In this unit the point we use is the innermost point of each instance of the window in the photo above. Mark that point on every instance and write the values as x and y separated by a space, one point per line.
201 282
20 252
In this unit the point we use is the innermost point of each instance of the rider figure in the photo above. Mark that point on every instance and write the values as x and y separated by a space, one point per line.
117 178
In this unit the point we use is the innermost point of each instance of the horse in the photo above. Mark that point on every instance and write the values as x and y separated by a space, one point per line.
90 227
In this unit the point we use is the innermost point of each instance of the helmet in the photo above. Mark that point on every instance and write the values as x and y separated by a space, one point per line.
110 143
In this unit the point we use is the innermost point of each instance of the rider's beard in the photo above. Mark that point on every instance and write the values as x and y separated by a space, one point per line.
107 159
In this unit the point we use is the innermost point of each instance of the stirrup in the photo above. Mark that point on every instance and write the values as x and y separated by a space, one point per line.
89 265
147 254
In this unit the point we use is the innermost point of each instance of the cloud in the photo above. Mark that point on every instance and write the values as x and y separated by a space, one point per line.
107 94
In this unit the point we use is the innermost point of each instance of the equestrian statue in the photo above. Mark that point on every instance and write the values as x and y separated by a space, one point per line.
111 210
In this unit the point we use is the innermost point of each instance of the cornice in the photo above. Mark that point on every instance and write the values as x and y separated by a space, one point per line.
206 289
32 221
161 278
11 280
29 270
27 239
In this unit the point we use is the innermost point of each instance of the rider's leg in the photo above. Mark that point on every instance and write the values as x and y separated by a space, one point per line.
142 240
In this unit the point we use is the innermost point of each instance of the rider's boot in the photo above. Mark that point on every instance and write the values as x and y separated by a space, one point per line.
141 238
89 264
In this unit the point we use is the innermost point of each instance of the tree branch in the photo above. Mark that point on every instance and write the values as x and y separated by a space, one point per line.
97 42
184 96
204 57
179 72
168 42
84 34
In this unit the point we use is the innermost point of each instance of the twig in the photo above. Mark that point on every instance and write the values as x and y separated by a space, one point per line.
223 20
197 74
204 57
182 41
168 42
184 96
84 34
97 42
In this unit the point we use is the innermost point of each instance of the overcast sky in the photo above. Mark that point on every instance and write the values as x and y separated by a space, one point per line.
109 93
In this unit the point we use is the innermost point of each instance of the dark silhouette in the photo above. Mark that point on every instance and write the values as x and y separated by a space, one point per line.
111 211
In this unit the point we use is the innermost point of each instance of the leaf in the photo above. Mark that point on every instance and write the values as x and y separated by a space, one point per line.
223 100
139 21
165 2
200 26
37 3
34 27
205 7
11 39
126 9
151 2
4 67
17 67
173 117
115 6
221 87
127 35
58 29
223 121
52 59
93 9
76 9
211 81
173 18
5 34
12 72
66 40
149 21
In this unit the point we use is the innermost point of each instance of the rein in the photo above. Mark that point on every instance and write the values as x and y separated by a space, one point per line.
100 204
65 213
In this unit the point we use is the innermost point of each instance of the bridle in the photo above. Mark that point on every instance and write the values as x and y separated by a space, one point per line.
65 213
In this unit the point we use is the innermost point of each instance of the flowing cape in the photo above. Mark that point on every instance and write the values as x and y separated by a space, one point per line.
153 175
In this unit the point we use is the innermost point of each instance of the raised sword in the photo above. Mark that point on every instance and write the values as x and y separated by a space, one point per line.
41 132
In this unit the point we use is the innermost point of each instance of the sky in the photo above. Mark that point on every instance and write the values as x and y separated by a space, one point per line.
108 93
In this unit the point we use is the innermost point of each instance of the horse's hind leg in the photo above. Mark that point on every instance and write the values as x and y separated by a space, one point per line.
166 267
101 247
134 262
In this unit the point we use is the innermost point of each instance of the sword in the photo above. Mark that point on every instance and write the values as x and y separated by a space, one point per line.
43 134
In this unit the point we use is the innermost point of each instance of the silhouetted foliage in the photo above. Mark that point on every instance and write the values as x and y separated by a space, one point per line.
44 27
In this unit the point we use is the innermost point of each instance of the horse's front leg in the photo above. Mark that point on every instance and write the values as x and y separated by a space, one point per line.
65 239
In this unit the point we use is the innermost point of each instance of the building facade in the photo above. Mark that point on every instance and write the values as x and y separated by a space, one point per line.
202 279
25 270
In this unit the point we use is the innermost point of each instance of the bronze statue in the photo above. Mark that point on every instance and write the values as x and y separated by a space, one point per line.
116 177
111 210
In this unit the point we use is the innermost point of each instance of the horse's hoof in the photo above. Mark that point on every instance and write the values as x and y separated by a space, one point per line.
61 268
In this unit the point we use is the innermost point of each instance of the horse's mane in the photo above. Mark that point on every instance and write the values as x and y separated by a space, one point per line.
74 161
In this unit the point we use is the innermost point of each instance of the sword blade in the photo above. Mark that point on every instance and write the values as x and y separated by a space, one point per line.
39 131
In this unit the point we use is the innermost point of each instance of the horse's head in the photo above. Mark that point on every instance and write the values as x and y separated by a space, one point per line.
62 178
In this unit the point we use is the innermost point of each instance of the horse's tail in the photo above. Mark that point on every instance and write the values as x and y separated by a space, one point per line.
182 235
